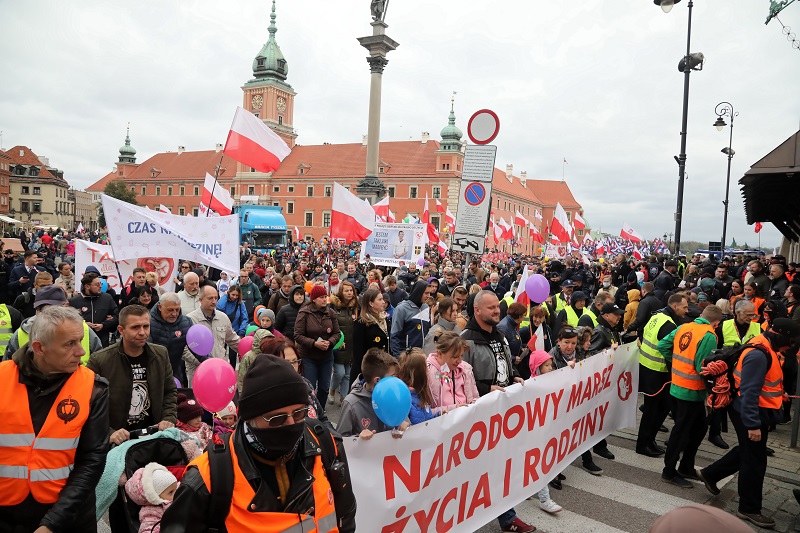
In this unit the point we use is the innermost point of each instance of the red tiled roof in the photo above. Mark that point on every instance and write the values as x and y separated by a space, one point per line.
184 165
403 158
514 187
552 192
100 185
23 155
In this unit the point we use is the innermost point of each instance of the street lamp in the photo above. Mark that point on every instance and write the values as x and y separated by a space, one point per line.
687 64
725 109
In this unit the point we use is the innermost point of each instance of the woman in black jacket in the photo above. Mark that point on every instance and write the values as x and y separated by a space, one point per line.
371 330
287 315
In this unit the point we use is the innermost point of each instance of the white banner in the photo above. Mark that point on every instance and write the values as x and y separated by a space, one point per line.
101 256
391 243
137 231
461 470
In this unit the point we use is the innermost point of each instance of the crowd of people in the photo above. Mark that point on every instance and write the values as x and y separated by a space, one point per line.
103 364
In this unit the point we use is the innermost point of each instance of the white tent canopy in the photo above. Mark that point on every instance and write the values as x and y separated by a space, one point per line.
9 220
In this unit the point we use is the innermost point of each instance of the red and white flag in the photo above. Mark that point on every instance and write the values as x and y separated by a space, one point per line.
520 220
216 198
507 230
758 226
538 215
351 219
450 220
439 207
627 232
560 227
495 230
442 248
382 209
391 218
164 209
537 237
426 215
521 296
600 247
578 222
79 229
254 144
296 234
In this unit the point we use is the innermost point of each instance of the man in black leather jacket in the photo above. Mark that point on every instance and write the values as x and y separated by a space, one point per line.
605 334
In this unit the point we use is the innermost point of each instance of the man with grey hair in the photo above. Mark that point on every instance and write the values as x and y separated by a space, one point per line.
490 357
168 327
190 295
218 323
61 423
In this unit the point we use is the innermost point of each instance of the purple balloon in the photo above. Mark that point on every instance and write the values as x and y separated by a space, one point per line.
421 261
177 383
200 340
537 288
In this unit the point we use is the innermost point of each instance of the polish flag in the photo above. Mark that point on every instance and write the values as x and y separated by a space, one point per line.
351 219
537 237
164 209
439 207
520 220
79 229
578 222
216 198
507 230
600 247
382 208
426 215
521 296
450 220
254 144
495 230
560 226
538 215
442 248
296 234
391 218
433 233
627 232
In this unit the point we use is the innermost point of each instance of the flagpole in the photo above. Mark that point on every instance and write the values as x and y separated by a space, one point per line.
214 186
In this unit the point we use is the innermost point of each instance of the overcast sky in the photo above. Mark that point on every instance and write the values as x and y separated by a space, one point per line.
593 82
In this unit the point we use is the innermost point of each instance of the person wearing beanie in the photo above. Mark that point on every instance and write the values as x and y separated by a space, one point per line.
190 420
571 314
152 488
287 315
225 420
273 441
316 332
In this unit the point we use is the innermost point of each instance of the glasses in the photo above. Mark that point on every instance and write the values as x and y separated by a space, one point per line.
296 362
184 266
279 420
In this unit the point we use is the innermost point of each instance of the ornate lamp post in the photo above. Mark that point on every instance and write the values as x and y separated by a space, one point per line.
378 44
725 109
686 65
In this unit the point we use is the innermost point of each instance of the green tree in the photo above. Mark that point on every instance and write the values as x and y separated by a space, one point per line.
115 189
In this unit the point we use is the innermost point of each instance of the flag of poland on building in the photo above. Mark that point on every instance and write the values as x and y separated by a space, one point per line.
627 232
561 228
254 144
351 218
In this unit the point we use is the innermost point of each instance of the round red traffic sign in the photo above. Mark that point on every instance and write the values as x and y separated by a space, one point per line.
475 193
483 126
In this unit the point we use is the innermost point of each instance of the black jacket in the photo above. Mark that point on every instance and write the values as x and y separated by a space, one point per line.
648 306
603 337
24 303
396 297
95 309
75 508
190 509
172 337
287 315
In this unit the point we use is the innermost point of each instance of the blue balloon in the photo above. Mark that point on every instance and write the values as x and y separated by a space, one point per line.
391 401
352 253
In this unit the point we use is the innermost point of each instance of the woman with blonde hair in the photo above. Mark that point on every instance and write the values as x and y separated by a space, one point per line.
450 378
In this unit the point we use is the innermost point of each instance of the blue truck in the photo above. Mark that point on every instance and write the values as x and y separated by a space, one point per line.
262 226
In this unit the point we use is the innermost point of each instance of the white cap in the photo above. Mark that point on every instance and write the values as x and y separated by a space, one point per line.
229 410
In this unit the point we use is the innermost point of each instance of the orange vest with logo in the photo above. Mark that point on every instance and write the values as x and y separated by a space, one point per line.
684 349
241 520
758 303
39 463
771 395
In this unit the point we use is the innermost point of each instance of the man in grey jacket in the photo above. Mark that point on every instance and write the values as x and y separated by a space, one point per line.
218 323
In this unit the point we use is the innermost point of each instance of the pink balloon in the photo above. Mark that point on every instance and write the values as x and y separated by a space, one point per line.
537 288
244 346
214 384
200 340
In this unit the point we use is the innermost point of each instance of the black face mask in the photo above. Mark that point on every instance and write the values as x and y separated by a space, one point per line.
273 443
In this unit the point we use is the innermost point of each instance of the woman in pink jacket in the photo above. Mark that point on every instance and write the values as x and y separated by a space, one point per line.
450 379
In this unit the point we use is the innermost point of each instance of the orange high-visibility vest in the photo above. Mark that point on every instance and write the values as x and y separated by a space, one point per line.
39 463
241 520
684 350
758 303
771 395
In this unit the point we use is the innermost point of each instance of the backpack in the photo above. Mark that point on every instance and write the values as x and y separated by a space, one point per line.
221 475
717 373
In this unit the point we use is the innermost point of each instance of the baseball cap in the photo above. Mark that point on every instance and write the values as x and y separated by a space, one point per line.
611 308
567 283
49 295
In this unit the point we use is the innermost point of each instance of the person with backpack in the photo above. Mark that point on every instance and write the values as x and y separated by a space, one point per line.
273 440
757 404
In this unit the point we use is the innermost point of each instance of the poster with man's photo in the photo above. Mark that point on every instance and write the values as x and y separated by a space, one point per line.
390 244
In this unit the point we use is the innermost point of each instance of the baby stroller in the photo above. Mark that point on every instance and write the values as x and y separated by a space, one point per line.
124 513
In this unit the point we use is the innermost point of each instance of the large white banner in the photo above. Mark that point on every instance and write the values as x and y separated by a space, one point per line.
463 469
137 231
389 244
101 256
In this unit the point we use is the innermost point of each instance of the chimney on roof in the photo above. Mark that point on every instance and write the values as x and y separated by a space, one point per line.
510 173
425 137
181 149
363 140
44 160
218 148
21 152
523 177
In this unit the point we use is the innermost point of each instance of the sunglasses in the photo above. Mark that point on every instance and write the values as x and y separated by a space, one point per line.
184 266
279 420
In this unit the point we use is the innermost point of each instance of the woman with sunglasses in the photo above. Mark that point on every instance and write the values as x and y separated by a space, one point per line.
274 442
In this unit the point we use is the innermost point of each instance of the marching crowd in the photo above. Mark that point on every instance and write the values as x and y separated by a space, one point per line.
97 366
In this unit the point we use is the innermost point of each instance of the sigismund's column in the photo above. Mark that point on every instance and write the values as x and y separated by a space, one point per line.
378 44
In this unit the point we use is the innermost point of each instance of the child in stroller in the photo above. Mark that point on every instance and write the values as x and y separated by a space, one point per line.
152 488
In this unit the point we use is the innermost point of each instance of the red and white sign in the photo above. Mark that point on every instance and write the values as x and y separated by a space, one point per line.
483 126
102 256
460 471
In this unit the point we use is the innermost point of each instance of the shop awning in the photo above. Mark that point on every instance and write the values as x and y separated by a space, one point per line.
9 220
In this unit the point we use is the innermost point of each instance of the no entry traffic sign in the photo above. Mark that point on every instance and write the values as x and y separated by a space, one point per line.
475 193
483 126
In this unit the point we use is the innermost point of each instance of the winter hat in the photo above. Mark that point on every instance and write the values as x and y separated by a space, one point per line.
269 313
229 410
632 277
188 409
578 296
707 284
317 291
269 384
537 359
162 479
155 480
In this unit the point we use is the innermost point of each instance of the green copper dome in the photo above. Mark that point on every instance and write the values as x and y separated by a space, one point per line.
451 134
127 153
270 63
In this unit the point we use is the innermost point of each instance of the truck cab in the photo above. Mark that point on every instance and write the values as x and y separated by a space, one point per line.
262 226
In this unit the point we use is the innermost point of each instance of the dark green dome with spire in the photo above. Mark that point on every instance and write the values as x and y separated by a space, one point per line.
127 153
270 64
451 134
